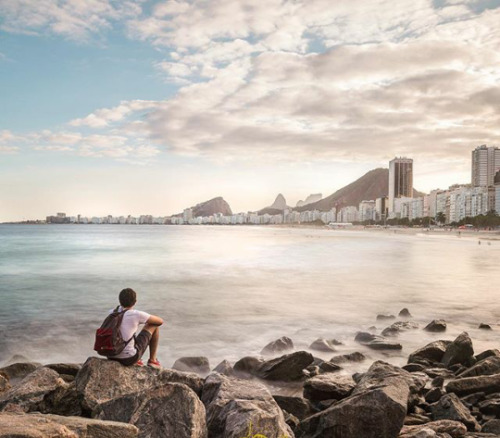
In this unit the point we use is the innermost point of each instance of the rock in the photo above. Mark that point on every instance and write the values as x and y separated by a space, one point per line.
492 426
490 407
248 365
239 408
297 406
224 368
470 385
329 367
197 364
285 368
70 369
101 380
450 407
473 399
416 419
19 370
376 408
351 357
404 313
4 384
460 351
321 344
439 372
31 390
376 342
437 382
64 400
171 410
278 346
433 352
485 367
328 387
487 353
400 326
434 394
413 367
385 317
55 426
453 428
17 358
483 326
437 325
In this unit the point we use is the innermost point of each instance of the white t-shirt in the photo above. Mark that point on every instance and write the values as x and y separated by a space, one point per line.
130 324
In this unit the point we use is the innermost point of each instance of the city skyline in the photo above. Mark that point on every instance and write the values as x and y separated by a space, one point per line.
112 107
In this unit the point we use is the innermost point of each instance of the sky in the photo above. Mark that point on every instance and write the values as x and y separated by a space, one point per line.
148 107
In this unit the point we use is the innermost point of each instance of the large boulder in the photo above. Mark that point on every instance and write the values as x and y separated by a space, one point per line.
487 353
19 370
485 367
286 368
278 346
54 426
398 327
404 313
376 408
240 408
172 410
455 429
30 391
63 401
247 365
351 357
437 325
225 368
449 407
328 387
297 406
432 352
491 406
492 426
321 344
460 351
196 364
67 369
376 342
470 385
101 380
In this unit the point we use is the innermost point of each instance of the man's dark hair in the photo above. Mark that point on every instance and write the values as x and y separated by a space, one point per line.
127 297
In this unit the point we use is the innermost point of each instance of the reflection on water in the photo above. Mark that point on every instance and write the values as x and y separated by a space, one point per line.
227 291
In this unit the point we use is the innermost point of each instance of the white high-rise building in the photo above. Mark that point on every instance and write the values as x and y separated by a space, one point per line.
485 164
400 181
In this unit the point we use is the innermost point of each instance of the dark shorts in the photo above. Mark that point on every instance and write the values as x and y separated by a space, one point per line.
142 341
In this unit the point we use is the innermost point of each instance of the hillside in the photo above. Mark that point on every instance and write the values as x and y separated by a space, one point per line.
211 207
276 207
370 186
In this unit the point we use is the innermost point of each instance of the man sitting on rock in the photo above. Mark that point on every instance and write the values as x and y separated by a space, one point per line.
149 335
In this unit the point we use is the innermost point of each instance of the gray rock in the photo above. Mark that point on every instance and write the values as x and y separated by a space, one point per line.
351 357
437 325
321 344
196 364
224 368
433 352
278 346
487 353
248 365
460 351
376 408
64 400
485 367
473 399
492 426
328 387
54 426
450 407
285 368
297 406
19 370
416 419
490 407
70 369
400 326
385 317
4 384
453 428
376 342
101 380
484 326
329 367
172 410
470 385
413 367
240 408
31 390
404 313
434 394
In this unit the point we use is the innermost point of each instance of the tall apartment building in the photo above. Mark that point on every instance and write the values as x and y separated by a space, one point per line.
485 164
400 181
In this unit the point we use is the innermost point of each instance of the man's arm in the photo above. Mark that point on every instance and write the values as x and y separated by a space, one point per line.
154 320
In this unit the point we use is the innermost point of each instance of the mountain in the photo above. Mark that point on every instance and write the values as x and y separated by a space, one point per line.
277 206
370 186
211 207
310 199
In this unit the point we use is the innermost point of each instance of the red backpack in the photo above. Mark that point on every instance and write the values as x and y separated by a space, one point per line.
108 338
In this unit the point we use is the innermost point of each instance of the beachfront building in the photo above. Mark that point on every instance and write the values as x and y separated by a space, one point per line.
367 211
348 214
400 182
485 164
381 208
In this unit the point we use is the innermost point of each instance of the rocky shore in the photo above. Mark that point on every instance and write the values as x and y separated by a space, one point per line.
445 390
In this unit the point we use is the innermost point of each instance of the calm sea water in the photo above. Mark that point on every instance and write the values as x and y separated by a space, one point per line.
225 292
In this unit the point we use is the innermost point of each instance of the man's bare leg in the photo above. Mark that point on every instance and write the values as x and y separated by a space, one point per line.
155 339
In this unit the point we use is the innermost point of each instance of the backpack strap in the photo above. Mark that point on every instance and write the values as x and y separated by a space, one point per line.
121 316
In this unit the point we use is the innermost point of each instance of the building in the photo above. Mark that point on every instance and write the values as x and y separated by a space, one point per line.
497 192
366 211
485 164
400 181
381 208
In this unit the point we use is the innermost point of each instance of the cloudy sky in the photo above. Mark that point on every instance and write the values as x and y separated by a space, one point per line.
144 107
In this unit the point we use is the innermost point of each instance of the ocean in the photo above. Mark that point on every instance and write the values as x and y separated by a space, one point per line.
225 292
